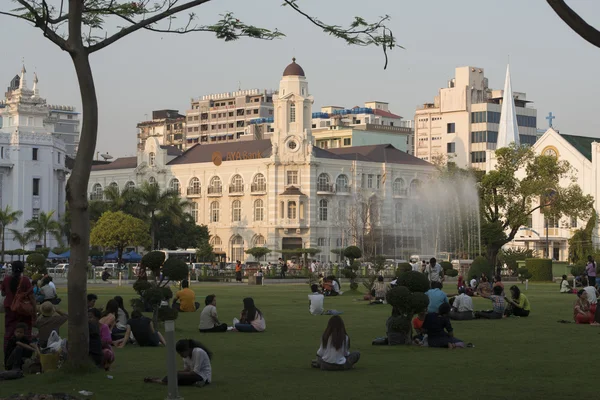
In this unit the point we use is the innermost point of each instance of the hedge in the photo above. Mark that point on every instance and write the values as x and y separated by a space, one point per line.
539 268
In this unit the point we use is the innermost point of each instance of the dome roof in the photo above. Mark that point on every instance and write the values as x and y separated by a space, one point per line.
293 69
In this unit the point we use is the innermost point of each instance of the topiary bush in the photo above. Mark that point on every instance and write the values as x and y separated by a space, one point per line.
481 266
540 269
403 267
446 265
405 304
523 274
153 261
451 272
36 264
577 270
414 281
175 269
352 252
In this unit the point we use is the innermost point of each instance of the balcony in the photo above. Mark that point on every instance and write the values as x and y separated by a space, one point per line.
343 190
194 191
293 223
178 136
400 192
236 190
325 188
215 191
258 188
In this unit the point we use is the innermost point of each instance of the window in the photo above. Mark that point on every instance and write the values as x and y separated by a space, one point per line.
526 121
484 136
451 147
259 210
478 156
342 211
573 222
97 191
216 243
323 209
293 112
348 141
398 212
236 211
415 186
451 127
260 241
36 187
399 187
237 184
129 185
214 211
1 150
341 184
323 183
378 181
194 187
152 181
370 181
291 209
115 186
215 186
321 242
35 214
237 248
292 177
259 183
528 139
152 158
529 223
59 157
174 185
34 154
195 211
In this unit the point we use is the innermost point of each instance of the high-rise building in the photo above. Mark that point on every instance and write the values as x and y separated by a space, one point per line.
166 125
463 121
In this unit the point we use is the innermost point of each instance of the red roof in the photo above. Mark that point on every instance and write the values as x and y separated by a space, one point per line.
386 114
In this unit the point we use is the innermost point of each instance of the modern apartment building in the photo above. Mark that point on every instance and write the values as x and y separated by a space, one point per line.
463 121
167 125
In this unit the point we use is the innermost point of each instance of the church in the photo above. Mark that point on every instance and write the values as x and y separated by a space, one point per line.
282 192
32 161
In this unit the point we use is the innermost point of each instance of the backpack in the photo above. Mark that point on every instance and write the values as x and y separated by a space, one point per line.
23 302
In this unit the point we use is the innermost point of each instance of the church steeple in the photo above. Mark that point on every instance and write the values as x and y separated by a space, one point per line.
508 131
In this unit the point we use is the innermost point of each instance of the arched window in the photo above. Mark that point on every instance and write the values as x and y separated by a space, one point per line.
415 186
323 209
259 210
292 208
174 185
259 241
236 211
237 184
343 211
341 184
194 187
195 211
259 184
152 159
237 248
130 185
214 211
114 185
216 243
215 186
97 192
398 212
152 181
399 187
321 242
293 112
323 183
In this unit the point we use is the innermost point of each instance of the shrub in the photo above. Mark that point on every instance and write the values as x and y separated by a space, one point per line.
540 268
403 267
167 314
577 270
175 269
352 252
523 274
414 281
153 261
451 272
446 266
481 266
36 263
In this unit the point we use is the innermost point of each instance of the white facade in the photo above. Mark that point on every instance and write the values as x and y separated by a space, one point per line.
280 192
32 160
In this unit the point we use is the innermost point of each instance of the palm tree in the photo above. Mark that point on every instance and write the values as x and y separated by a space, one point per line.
24 238
154 203
8 216
125 200
42 225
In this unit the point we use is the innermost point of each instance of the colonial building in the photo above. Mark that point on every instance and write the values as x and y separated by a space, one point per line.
462 122
32 159
282 192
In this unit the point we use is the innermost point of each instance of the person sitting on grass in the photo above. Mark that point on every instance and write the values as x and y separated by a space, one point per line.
498 306
252 319
417 323
331 286
436 297
110 314
564 285
197 370
462 308
439 330
484 289
106 275
209 320
108 355
592 296
379 290
19 348
37 293
142 330
334 352
185 299
581 310
118 332
51 320
518 304
316 303
498 282
91 300
49 291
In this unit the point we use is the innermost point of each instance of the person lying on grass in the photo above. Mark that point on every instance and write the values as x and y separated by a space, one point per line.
197 369
439 330
334 353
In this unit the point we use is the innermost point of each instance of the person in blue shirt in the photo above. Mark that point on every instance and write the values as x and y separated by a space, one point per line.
436 297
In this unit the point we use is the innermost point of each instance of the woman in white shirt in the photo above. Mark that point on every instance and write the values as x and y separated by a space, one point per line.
252 319
197 369
564 285
334 352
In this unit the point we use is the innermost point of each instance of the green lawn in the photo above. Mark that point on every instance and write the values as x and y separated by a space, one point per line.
522 358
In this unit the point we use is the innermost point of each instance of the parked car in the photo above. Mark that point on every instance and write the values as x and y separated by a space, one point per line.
59 269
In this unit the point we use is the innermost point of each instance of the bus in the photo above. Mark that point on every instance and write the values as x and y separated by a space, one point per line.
188 255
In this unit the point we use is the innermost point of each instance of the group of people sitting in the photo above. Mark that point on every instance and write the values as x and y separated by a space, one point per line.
45 290
329 285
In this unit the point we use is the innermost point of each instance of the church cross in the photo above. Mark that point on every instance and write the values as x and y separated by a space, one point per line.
550 117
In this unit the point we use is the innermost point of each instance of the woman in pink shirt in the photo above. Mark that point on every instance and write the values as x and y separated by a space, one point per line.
590 270
252 319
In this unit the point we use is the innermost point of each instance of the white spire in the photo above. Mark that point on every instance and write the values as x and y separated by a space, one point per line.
22 82
36 92
509 130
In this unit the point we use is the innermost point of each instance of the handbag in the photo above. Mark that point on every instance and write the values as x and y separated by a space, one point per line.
22 302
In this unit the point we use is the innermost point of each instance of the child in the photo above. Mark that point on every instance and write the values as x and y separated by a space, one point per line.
417 322
334 351
197 369
19 348
252 319
564 285
439 329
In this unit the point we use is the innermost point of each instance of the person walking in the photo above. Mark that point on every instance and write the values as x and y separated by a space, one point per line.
238 271
590 270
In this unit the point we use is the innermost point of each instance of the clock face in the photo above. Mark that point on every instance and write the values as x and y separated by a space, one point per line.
550 152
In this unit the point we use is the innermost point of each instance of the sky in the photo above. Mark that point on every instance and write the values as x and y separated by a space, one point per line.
149 71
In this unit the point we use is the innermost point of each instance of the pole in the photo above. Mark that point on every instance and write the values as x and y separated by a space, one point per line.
120 274
547 243
173 391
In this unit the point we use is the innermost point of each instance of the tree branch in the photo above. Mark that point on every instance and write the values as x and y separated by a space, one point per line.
41 23
575 22
17 16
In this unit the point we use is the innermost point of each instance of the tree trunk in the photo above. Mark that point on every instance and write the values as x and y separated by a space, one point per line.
80 220
152 230
3 230
45 236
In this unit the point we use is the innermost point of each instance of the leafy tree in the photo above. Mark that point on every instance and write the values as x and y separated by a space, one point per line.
186 235
43 225
523 274
258 252
7 216
511 256
480 266
153 261
36 263
379 262
507 200
23 238
580 244
119 230
96 209
205 252
81 28
352 253
122 200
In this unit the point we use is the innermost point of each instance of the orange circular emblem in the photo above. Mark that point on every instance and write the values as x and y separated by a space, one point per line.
217 158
